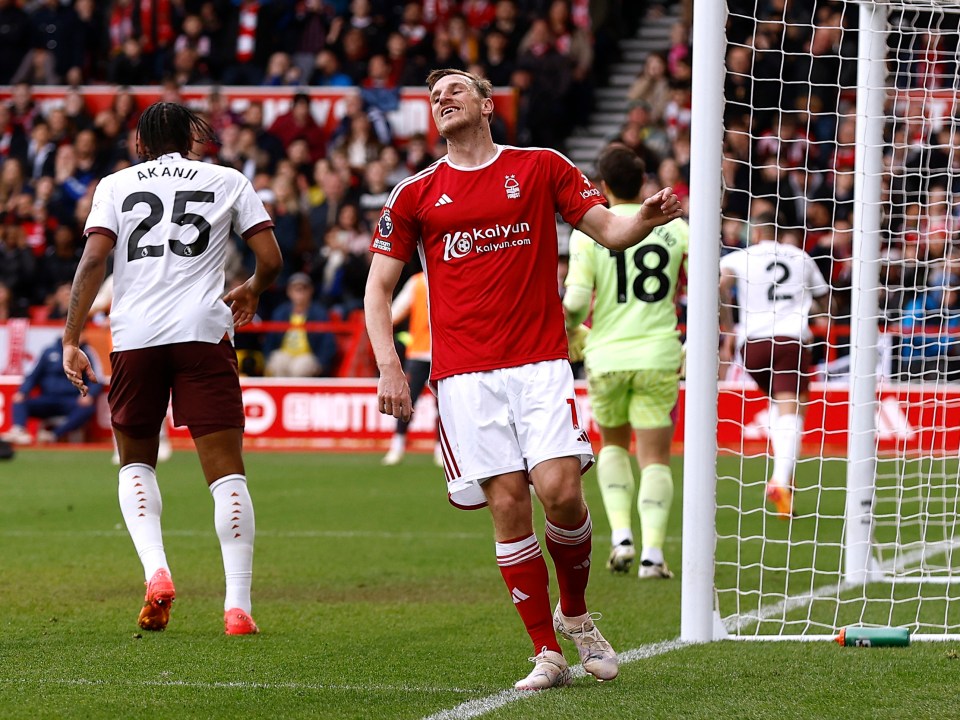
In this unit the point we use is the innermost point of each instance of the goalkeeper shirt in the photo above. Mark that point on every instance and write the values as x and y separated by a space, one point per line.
634 314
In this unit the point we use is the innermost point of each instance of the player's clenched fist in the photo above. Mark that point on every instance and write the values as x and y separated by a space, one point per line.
393 394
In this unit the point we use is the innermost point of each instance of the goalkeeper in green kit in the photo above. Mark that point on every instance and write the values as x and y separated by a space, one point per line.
632 356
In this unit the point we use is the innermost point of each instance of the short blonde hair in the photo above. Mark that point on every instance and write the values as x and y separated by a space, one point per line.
482 86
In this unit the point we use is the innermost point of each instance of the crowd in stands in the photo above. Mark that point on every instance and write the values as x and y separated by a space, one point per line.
789 147
324 190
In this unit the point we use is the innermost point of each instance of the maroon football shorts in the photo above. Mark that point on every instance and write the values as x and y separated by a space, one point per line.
202 378
778 365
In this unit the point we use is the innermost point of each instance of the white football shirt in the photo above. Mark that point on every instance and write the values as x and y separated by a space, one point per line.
776 284
170 220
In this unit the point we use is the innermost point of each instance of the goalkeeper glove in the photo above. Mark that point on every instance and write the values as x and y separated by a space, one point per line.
576 340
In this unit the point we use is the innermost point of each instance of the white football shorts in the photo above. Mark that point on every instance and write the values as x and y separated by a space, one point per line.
500 421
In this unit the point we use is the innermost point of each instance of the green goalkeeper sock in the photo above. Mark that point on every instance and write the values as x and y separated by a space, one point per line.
615 476
656 494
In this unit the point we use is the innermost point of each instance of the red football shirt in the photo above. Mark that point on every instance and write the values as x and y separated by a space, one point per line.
488 242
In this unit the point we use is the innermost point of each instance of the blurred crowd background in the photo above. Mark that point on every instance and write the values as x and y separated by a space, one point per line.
788 147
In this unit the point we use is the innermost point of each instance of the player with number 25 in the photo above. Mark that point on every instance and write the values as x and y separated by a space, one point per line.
167 222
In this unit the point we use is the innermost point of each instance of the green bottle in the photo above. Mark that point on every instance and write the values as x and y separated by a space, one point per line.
874 637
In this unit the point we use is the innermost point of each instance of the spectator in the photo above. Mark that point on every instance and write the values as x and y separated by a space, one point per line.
7 306
77 115
129 66
298 123
18 266
56 398
308 34
498 64
544 84
14 38
248 41
284 207
297 352
378 90
58 303
374 191
652 86
34 221
55 27
393 166
12 184
354 55
266 141
479 14
186 68
281 71
679 46
326 71
91 47
929 349
360 143
413 29
575 45
13 139
345 260
507 22
40 151
194 36
60 260
39 67
444 53
464 37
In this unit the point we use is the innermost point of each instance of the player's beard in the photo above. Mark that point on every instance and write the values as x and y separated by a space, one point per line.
456 124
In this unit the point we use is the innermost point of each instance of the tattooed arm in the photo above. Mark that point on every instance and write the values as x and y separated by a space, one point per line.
89 278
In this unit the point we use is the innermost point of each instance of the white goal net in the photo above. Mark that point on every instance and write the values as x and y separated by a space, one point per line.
842 120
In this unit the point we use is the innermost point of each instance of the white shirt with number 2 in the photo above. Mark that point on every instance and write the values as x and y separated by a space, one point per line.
171 220
776 284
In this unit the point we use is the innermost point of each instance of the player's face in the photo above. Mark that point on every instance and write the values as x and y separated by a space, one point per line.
456 105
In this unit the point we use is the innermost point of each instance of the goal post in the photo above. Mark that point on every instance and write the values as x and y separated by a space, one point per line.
700 423
864 171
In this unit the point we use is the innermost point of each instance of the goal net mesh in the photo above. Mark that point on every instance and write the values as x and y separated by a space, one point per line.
790 130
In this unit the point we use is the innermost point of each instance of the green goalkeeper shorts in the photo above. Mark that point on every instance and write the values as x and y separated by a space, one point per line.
643 398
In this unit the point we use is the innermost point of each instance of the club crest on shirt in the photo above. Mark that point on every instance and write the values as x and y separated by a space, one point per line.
512 187
385 226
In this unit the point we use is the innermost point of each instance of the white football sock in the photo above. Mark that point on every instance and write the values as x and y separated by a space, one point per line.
233 518
141 507
786 448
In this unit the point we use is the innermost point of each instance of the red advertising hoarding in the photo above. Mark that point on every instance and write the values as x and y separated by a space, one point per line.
342 414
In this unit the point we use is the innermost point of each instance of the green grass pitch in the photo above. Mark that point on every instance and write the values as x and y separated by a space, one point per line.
376 599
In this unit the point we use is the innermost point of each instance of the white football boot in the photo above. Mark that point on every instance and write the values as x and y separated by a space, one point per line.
550 670
596 654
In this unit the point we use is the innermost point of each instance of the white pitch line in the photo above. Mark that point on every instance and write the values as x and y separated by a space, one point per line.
735 624
376 534
86 682
481 706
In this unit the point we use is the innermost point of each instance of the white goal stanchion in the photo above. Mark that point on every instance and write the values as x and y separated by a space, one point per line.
843 120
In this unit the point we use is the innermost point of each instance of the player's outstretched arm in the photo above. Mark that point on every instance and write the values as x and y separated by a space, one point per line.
86 284
618 232
243 299
393 390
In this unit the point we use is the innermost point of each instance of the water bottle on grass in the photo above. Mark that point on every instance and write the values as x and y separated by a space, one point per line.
873 637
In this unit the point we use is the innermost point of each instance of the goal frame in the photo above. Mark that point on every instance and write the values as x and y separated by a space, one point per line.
699 617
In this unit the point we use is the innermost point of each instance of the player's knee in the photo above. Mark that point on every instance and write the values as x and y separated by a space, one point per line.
562 499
